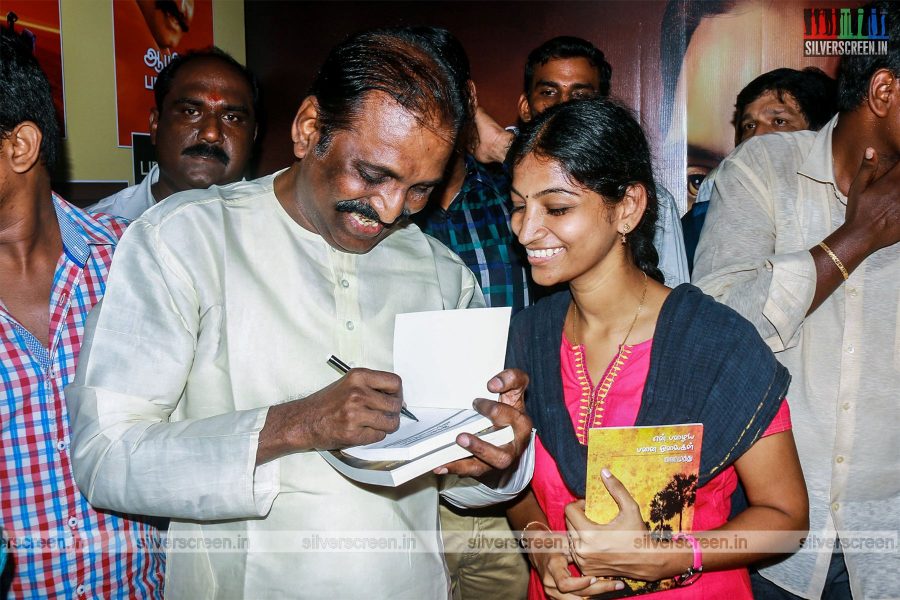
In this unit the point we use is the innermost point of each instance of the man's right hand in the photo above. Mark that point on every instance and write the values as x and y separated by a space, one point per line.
360 408
872 222
873 205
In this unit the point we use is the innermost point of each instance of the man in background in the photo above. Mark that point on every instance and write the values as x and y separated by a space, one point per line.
203 128
568 68
782 100
802 239
203 393
709 51
562 69
54 259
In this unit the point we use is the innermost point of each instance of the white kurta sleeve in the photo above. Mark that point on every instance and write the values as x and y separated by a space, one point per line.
737 261
669 241
468 493
137 355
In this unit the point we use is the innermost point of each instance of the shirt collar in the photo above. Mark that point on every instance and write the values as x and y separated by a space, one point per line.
80 231
819 163
147 185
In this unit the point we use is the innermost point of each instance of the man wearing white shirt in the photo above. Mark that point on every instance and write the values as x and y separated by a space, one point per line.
801 239
203 128
203 391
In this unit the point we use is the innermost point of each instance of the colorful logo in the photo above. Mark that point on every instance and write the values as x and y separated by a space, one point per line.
842 31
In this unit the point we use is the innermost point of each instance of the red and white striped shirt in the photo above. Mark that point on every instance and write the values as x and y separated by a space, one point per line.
60 546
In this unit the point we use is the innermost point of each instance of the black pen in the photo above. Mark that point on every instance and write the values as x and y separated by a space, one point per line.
343 367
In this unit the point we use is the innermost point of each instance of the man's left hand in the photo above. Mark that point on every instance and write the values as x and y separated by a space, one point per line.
510 410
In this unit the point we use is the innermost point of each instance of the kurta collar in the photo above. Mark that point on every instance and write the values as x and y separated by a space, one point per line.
819 163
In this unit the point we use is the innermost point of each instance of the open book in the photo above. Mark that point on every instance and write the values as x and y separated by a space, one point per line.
397 472
445 359
436 427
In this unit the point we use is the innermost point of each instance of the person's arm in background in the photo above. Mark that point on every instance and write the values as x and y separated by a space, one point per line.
872 223
493 140
669 240
736 260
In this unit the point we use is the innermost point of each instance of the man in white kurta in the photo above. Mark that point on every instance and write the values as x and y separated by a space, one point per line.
802 239
220 312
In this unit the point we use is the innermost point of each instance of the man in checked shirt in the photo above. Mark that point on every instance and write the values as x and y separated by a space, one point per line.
53 264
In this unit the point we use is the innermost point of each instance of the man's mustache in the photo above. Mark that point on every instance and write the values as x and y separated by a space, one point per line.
207 151
364 210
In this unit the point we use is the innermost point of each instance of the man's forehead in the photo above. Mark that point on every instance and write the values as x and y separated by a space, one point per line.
569 71
771 102
377 107
211 76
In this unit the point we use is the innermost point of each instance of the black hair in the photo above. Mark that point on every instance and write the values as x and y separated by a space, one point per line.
567 46
857 70
25 95
814 91
601 147
396 61
166 77
449 50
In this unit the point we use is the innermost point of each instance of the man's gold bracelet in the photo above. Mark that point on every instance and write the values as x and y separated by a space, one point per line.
836 260
544 525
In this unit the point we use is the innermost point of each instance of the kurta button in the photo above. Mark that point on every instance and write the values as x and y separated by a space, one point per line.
350 325
839 459
345 283
845 406
852 292
835 506
851 349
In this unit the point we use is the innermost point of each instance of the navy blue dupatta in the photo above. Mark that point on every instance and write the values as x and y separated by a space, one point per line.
708 365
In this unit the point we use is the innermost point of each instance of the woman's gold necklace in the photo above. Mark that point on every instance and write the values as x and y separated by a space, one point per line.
633 321
598 394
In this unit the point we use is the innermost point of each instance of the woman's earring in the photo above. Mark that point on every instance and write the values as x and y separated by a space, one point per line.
625 229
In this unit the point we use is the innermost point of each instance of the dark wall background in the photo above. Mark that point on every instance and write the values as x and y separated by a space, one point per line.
287 40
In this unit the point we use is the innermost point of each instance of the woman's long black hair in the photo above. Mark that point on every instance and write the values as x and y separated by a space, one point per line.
601 146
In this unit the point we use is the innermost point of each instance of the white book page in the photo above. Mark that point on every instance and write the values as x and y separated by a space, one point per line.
436 427
446 357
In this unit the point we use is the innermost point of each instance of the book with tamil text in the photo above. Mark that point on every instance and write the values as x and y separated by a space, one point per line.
659 466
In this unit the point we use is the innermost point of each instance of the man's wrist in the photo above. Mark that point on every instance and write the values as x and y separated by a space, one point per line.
275 438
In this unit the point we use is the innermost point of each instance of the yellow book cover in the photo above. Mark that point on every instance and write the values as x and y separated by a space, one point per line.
659 466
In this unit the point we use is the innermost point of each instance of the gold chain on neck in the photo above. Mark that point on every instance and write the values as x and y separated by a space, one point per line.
633 321
592 413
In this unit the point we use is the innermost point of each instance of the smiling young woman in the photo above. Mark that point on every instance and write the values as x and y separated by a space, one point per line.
612 350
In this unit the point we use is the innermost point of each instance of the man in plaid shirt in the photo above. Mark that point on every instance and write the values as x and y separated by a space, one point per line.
53 264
